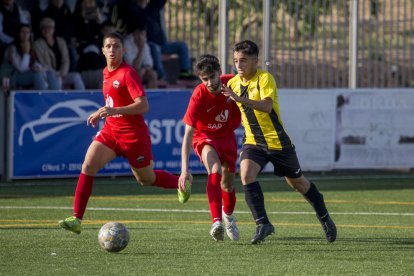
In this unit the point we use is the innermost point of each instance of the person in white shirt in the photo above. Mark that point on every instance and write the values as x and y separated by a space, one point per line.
138 55
27 72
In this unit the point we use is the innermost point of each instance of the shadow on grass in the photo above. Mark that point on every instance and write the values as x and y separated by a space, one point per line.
397 241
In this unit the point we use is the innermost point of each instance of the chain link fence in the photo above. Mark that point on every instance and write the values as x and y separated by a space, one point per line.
310 38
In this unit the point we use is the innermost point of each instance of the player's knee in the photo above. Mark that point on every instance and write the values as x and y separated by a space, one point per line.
88 169
227 187
300 185
247 179
145 182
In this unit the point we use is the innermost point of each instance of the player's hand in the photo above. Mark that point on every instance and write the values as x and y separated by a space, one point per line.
226 91
106 111
181 181
93 119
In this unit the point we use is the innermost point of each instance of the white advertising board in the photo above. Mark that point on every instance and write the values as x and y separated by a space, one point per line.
375 129
309 119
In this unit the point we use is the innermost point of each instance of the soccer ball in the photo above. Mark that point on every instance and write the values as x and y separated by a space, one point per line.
113 237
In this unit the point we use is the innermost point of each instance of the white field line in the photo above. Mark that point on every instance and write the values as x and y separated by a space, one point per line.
201 211
268 177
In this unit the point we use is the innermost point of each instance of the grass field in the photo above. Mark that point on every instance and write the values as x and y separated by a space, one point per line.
374 215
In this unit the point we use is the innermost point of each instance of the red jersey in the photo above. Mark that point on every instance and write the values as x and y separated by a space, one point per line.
212 115
120 88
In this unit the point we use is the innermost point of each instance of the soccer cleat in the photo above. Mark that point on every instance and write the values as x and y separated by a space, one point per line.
329 228
231 228
262 231
72 224
184 196
217 231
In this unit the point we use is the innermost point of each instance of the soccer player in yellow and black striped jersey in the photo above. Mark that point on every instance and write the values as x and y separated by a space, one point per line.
266 140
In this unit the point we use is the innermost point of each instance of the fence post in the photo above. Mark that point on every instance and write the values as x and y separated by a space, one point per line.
266 34
353 44
223 30
3 133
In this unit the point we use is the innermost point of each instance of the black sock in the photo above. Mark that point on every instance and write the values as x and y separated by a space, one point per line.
315 198
255 200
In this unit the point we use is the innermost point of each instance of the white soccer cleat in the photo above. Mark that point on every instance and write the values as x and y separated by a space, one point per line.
231 227
217 231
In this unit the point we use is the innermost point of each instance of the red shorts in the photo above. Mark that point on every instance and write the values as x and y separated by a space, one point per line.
137 150
226 148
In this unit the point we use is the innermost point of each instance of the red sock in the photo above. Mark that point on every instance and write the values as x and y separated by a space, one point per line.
214 196
82 194
165 180
229 201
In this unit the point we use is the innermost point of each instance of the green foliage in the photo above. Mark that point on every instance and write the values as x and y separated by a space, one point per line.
308 12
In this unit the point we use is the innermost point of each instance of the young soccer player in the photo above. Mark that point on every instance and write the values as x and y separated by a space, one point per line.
124 133
210 123
266 140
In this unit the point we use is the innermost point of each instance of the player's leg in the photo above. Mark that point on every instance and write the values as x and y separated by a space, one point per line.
228 194
255 200
139 155
144 175
96 157
227 149
212 164
251 162
147 176
311 193
228 191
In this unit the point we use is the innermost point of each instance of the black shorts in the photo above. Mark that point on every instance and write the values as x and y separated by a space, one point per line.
285 162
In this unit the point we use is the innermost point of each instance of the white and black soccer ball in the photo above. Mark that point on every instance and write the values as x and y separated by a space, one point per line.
113 237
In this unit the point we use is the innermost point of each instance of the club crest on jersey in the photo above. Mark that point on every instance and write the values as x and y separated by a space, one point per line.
116 84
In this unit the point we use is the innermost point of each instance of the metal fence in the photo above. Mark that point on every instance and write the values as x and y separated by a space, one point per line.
309 38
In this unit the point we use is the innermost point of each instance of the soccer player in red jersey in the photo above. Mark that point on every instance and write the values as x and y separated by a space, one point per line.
124 133
210 123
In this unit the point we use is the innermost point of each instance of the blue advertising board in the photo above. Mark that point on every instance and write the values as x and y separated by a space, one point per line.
49 136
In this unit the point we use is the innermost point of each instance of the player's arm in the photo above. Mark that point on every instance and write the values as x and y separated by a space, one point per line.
139 106
185 156
265 105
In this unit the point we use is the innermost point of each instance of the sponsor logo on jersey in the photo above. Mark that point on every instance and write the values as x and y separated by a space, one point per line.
214 126
209 109
110 103
223 116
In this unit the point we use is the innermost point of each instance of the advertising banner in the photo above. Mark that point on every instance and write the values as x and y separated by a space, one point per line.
331 129
308 116
50 136
375 129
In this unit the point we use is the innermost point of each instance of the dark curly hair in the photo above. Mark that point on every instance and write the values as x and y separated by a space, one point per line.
247 47
207 64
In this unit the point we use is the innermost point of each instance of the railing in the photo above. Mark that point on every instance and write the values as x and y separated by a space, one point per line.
309 38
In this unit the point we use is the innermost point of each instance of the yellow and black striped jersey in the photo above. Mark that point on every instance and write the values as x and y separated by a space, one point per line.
260 128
